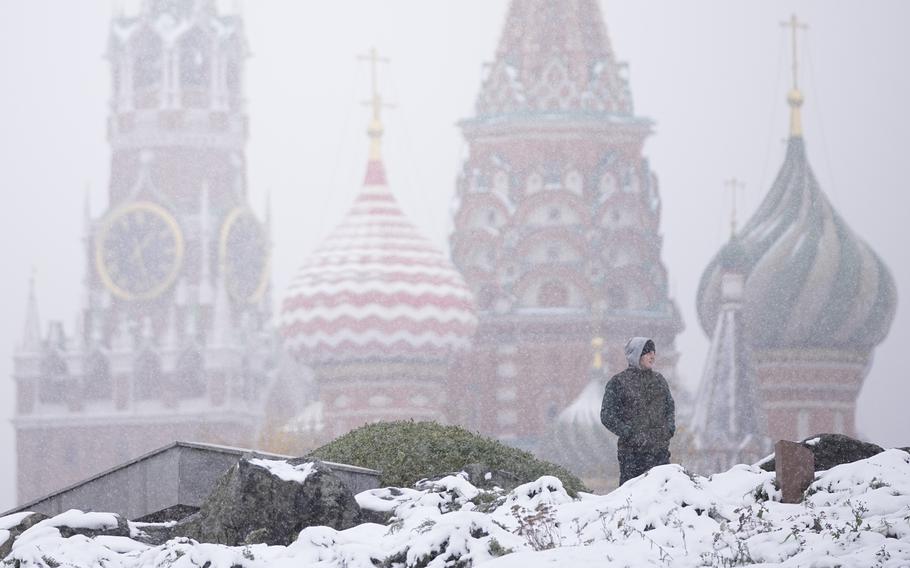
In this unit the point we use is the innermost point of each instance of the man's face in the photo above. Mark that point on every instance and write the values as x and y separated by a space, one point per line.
647 361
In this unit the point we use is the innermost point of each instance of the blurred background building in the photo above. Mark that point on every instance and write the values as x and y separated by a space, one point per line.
796 303
556 223
556 243
171 342
378 312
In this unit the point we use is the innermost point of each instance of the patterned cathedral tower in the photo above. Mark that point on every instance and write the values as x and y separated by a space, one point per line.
170 341
816 299
377 310
556 223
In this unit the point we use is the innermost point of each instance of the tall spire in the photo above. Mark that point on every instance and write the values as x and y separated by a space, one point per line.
31 336
727 422
795 96
554 56
182 8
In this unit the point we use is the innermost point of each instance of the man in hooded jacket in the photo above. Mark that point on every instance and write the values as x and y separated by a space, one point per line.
639 408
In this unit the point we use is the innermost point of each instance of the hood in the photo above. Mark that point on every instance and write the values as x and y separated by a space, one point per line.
634 348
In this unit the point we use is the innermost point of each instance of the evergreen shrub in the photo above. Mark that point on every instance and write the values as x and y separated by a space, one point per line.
407 451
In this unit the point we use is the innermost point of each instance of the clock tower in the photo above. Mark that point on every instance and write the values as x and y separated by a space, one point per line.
171 341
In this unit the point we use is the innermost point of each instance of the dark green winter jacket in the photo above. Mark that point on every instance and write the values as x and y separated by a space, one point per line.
638 406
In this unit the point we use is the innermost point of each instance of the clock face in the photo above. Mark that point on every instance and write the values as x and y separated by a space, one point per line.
138 251
244 256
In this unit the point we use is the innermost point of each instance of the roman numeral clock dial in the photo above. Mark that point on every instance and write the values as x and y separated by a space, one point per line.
139 251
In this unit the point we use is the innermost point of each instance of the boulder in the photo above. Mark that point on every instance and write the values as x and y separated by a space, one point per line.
69 523
271 501
833 449
15 525
154 534
91 528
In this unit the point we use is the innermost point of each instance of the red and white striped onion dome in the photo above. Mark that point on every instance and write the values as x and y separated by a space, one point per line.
376 289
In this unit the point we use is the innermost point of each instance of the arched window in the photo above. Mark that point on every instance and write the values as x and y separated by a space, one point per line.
574 182
553 294
147 60
53 378
607 185
534 183
483 257
147 379
617 297
195 69
97 384
189 377
501 182
485 218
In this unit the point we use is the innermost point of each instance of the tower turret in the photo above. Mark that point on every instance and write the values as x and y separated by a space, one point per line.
177 77
728 422
31 332
816 298
148 364
377 310
557 221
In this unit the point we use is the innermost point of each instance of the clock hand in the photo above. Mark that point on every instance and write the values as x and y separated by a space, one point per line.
139 257
146 240
143 242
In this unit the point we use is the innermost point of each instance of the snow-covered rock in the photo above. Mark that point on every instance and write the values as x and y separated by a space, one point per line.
831 450
271 501
853 515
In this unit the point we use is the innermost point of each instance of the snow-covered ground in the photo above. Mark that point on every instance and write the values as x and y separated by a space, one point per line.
854 515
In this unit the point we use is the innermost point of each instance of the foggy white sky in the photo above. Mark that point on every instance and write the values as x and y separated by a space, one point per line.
712 74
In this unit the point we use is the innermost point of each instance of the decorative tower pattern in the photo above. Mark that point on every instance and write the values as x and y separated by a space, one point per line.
377 310
816 299
170 342
557 222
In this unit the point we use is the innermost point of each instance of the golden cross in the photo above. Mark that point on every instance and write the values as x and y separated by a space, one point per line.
375 128
795 25
733 184
376 100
